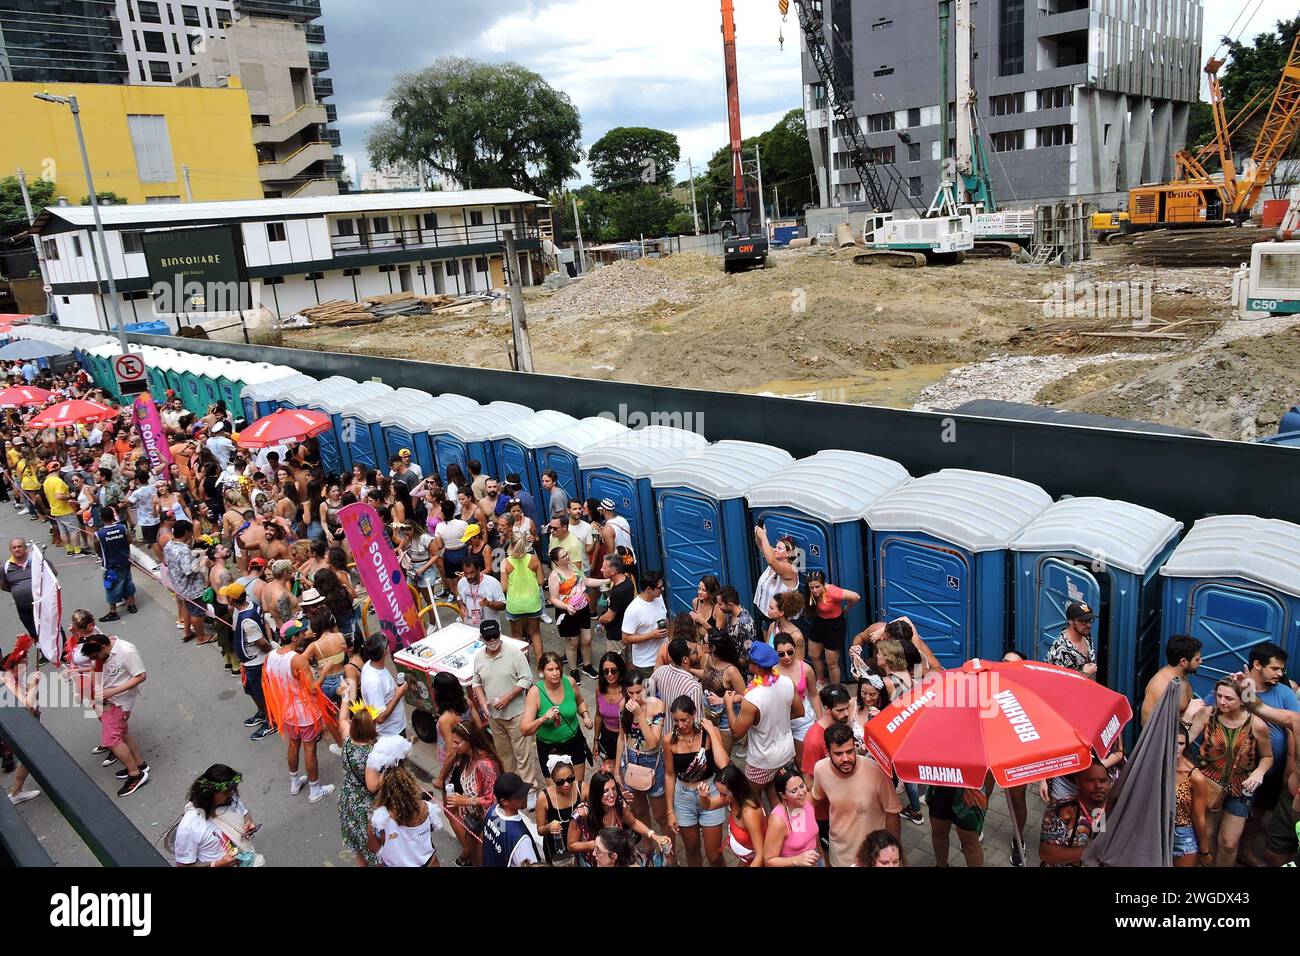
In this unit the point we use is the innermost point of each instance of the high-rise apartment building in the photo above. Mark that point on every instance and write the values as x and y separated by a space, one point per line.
147 43
1077 98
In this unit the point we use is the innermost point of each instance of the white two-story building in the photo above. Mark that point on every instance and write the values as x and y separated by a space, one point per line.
299 252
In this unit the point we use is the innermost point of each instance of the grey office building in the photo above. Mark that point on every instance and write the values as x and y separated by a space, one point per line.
1076 98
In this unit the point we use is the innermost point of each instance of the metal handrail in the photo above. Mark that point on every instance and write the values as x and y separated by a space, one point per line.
296 152
106 830
438 236
286 117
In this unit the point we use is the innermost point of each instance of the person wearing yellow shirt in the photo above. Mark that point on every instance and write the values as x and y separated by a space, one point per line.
62 509
30 480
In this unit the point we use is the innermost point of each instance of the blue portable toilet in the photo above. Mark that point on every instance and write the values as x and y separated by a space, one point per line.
465 435
940 557
559 451
620 470
321 397
259 398
703 521
357 419
337 404
1232 583
296 396
1106 554
409 427
514 446
819 501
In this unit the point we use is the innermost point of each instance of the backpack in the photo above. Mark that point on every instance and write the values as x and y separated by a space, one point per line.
252 612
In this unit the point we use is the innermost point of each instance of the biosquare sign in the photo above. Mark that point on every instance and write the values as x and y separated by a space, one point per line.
197 270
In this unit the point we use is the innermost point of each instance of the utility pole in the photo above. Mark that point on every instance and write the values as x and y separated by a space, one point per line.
776 203
523 349
582 253
71 103
189 193
695 210
762 206
36 240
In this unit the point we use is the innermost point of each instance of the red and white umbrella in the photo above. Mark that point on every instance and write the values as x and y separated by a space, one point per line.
23 395
1022 721
71 412
284 427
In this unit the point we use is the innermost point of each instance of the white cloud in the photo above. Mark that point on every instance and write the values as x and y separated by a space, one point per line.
659 65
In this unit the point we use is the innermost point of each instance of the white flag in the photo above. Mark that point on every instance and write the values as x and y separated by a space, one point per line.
47 607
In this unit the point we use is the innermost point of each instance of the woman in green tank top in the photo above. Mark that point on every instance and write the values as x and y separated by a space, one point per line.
556 714
521 579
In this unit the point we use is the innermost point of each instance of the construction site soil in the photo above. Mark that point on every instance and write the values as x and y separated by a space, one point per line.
1113 335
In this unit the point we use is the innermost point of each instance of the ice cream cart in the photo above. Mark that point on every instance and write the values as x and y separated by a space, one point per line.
450 649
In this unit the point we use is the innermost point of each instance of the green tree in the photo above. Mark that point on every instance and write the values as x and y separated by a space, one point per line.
627 157
591 204
787 166
13 216
106 198
484 125
1251 69
787 163
645 211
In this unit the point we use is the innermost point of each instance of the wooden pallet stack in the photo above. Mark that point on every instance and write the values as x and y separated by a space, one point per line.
372 310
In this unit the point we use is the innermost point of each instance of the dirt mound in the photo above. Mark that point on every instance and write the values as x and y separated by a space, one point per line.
625 286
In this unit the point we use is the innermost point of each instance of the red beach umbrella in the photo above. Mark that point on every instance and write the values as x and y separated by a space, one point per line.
284 427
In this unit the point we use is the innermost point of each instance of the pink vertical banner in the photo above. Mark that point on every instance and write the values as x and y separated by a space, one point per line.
152 435
381 575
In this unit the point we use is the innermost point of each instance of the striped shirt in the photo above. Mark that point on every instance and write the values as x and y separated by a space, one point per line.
670 682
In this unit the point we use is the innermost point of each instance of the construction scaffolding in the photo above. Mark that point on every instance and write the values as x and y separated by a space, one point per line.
1062 233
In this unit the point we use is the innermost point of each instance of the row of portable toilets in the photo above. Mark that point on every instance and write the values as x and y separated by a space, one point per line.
979 562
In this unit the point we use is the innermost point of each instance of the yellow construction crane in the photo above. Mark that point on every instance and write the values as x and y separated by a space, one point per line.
1195 198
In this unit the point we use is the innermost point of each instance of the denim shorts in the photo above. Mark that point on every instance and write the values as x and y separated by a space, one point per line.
654 760
1238 806
686 805
330 685
123 587
1185 842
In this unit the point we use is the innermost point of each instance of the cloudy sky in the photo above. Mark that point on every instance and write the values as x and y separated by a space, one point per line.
623 62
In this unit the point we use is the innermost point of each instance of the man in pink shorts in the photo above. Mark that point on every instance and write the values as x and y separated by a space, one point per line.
296 707
119 681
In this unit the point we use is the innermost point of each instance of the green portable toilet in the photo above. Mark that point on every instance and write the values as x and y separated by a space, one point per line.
231 378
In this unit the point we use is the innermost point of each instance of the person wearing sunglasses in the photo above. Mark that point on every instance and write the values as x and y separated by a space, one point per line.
555 809
804 678
467 780
610 698
605 808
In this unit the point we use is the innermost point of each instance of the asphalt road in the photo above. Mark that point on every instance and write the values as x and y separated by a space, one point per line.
190 716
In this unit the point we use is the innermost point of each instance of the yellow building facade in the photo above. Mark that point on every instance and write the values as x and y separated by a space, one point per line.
140 140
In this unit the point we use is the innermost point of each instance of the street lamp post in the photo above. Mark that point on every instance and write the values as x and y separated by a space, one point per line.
71 103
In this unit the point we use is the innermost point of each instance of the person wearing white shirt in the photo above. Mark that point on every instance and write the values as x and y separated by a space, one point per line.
221 447
201 838
380 691
478 595
581 530
645 623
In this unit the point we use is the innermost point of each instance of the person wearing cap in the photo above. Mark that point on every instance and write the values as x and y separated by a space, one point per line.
615 530
507 839
761 716
404 455
296 708
254 581
515 492
1074 648
113 541
252 644
62 508
502 678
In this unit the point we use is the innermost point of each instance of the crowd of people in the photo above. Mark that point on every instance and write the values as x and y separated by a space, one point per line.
732 733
